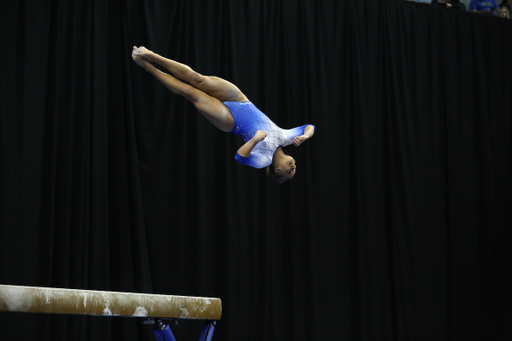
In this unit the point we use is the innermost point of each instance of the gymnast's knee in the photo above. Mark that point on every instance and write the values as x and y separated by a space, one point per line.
190 93
195 78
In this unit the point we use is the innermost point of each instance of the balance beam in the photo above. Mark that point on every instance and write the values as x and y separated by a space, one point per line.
106 303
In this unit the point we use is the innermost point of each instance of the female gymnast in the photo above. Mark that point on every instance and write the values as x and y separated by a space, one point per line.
227 108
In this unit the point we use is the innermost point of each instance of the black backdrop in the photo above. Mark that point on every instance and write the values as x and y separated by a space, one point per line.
396 227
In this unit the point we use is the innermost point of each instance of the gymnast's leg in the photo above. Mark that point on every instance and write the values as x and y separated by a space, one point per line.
214 86
209 106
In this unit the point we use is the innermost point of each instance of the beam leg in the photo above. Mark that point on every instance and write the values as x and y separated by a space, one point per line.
162 332
208 330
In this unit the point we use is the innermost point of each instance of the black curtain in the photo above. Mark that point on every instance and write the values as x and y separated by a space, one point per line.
396 226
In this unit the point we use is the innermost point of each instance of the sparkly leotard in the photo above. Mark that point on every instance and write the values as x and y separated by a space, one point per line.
248 120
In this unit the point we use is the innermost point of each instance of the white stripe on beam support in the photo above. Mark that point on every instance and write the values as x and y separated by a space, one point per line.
91 302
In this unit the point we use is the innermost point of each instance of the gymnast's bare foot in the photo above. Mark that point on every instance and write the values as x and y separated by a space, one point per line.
143 52
141 61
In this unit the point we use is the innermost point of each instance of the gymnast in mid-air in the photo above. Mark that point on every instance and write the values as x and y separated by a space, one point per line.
227 108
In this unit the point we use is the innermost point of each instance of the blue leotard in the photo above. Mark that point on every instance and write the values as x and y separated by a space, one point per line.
248 120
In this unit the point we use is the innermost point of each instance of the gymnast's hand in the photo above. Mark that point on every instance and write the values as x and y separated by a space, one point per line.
246 149
297 141
309 131
260 135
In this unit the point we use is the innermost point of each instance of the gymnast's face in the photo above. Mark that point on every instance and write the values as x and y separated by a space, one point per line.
287 168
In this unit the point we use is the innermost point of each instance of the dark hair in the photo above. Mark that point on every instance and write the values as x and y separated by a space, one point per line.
271 172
